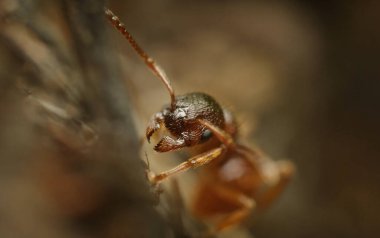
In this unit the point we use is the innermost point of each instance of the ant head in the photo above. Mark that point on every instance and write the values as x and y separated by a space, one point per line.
182 117
182 121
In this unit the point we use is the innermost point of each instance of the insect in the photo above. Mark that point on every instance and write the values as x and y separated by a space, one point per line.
237 179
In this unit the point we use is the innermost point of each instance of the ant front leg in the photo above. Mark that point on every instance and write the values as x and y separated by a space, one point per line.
193 162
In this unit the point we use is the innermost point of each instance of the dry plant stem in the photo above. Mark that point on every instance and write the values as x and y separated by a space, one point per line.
85 77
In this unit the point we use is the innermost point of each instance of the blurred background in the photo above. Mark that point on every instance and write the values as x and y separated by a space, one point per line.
302 78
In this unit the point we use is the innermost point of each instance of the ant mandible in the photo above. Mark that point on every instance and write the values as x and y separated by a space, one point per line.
237 179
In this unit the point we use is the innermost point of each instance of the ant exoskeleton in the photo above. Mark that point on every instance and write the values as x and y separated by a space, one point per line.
237 179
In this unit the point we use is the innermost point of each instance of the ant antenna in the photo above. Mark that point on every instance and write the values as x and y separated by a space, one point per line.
157 70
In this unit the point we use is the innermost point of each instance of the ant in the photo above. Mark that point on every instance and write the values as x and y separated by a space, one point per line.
237 179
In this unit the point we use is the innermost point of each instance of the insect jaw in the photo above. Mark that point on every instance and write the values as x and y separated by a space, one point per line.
151 130
167 143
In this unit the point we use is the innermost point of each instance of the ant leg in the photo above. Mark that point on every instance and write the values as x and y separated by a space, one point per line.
154 124
193 162
222 136
234 218
281 174
245 203
155 188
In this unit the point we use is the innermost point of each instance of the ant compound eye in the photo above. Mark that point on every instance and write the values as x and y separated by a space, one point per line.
206 135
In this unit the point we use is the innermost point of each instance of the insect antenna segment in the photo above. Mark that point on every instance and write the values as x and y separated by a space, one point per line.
157 70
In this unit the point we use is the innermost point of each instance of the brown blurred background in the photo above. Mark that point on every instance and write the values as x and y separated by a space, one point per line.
302 78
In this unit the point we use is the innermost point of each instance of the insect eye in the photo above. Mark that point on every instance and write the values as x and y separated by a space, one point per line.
206 135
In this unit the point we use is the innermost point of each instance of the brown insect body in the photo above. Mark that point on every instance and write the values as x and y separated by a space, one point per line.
230 172
182 121
236 180
189 108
